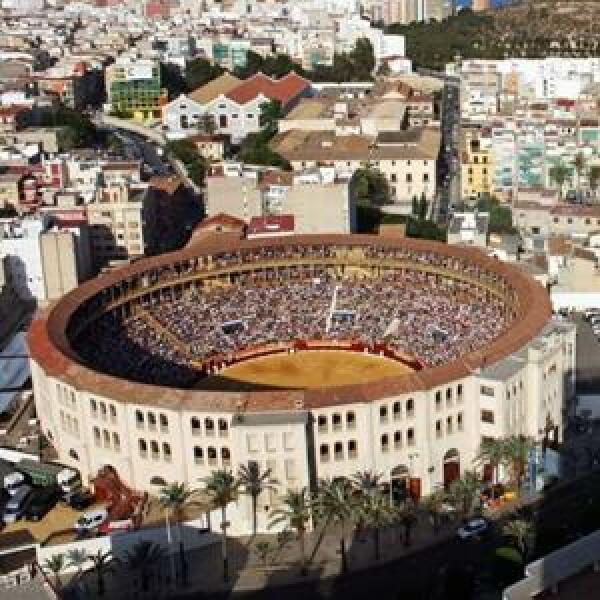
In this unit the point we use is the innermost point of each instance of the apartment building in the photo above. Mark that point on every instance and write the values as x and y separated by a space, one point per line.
406 158
133 89
121 219
314 200
476 164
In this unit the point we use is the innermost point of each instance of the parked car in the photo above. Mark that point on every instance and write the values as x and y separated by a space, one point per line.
17 504
91 520
473 528
79 500
41 501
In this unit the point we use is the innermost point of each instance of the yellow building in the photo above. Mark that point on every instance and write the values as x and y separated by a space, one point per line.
476 166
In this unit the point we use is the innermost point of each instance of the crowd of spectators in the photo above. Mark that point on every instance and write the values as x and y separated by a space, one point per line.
432 319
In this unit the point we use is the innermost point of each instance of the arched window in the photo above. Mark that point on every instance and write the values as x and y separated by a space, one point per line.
351 420
336 422
198 455
103 412
322 423
410 407
397 410
93 405
225 457
113 413
397 439
212 456
152 421
143 448
116 442
222 427
383 414
195 423
352 449
73 454
166 448
385 442
164 423
209 426
154 449
106 437
410 436
139 418
324 452
338 451
97 436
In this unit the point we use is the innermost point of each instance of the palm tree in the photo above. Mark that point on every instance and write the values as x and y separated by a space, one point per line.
77 558
336 503
579 163
559 173
463 492
222 488
434 503
143 558
55 564
254 482
375 512
367 482
174 498
517 455
492 452
295 510
407 516
102 565
522 533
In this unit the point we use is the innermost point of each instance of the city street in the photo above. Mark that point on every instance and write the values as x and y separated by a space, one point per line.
448 167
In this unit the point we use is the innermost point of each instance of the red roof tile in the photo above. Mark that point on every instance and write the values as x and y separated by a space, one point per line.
285 89
272 224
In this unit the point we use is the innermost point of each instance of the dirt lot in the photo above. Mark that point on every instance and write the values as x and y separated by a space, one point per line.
56 526
307 369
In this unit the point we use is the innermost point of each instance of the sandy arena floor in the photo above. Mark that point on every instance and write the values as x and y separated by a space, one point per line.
307 369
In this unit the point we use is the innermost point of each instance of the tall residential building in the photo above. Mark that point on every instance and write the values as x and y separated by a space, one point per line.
121 219
133 89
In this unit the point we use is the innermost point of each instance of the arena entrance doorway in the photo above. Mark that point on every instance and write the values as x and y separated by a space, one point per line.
451 466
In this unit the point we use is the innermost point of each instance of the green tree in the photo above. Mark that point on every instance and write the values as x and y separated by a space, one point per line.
407 516
103 564
370 186
55 564
199 72
77 558
336 504
422 208
579 164
174 498
363 58
491 452
254 64
594 177
375 512
368 483
143 559
187 153
500 216
559 174
295 511
434 503
222 488
522 534
270 115
517 454
172 80
463 492
254 482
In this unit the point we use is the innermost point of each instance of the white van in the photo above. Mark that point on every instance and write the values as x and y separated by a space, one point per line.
90 520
